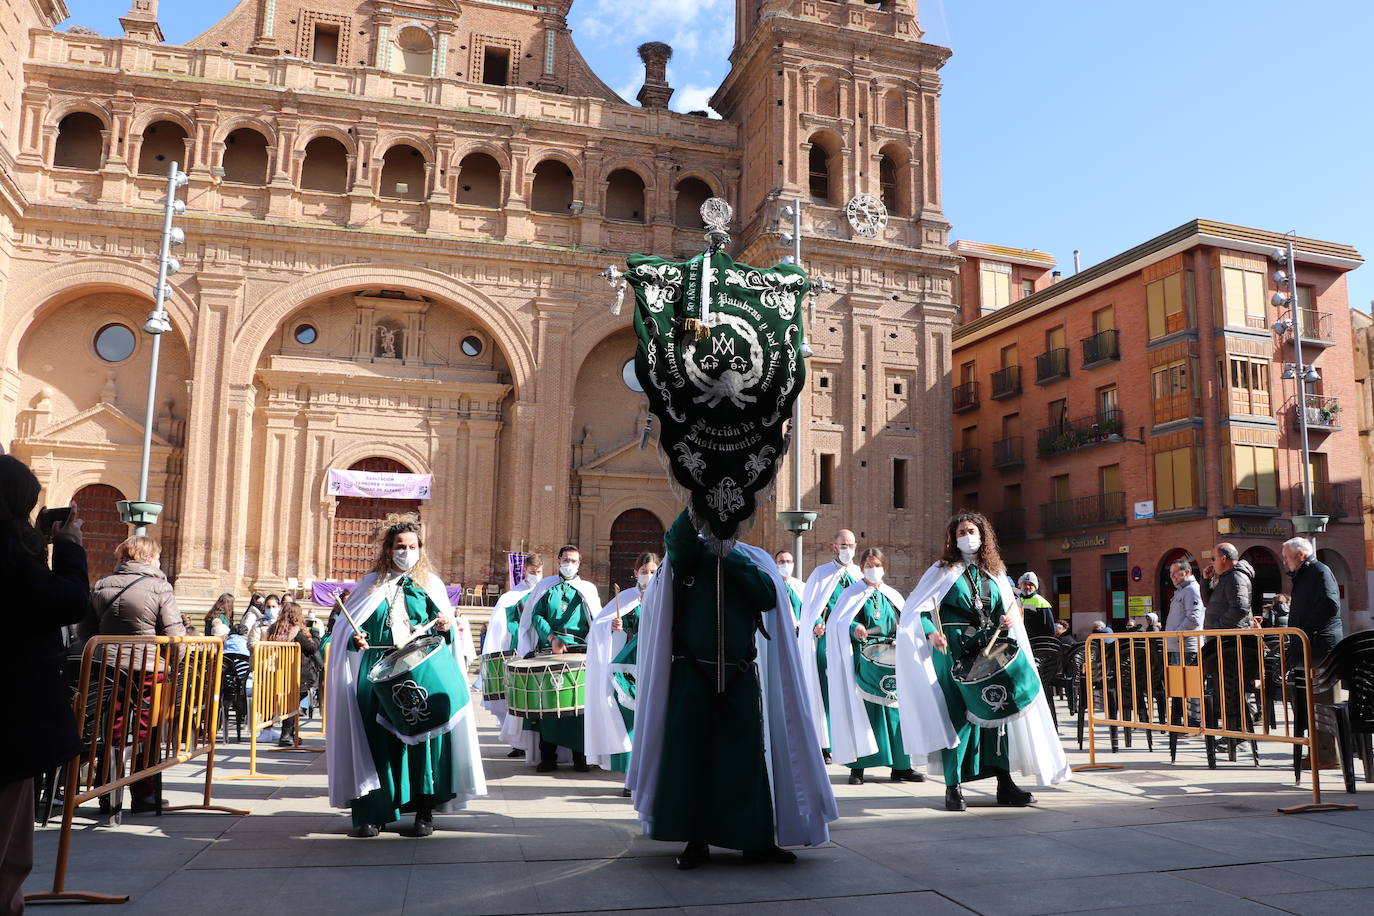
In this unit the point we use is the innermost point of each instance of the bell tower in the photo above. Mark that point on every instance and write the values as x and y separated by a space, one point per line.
838 106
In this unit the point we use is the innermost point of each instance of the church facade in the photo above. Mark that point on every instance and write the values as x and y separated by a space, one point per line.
396 217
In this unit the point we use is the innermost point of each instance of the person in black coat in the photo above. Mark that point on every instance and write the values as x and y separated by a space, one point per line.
1315 602
36 717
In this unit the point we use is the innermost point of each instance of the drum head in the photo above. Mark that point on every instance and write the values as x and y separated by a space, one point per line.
880 653
506 655
405 659
981 667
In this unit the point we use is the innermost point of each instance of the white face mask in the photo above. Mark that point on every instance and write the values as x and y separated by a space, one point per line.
532 578
644 579
874 575
568 570
845 555
786 569
405 557
969 543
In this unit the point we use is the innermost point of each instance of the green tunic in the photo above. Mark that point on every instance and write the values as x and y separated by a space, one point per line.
796 604
879 618
561 612
513 612
628 655
407 771
981 751
822 664
713 781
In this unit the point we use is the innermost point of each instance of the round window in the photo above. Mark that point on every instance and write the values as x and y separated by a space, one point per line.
306 335
627 375
114 343
472 345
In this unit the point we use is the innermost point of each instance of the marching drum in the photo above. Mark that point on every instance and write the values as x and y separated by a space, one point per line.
494 674
420 689
997 687
547 687
875 670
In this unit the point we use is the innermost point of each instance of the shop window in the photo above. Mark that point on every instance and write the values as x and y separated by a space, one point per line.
78 142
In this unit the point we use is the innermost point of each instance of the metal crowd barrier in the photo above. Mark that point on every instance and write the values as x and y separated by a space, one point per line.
143 704
276 699
1150 681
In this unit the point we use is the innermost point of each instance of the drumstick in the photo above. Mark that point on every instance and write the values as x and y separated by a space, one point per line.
992 642
339 606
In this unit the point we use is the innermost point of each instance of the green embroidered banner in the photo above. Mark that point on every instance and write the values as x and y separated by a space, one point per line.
719 358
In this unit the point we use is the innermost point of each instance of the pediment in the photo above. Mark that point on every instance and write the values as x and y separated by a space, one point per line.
103 424
627 457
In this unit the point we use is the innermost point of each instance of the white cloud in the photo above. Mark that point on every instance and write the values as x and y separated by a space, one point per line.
694 98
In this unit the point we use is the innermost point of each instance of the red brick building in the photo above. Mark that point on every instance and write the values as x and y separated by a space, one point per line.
1136 411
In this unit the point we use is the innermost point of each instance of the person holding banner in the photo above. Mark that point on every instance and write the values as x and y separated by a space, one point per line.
379 764
503 630
976 724
611 652
823 588
865 725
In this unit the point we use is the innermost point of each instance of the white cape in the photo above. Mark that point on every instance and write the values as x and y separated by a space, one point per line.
819 585
352 772
851 734
1033 745
803 804
496 638
605 732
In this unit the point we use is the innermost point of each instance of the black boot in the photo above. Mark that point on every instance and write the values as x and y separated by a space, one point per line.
365 832
773 855
908 775
1010 794
424 821
694 855
856 776
954 799
516 753
580 763
548 757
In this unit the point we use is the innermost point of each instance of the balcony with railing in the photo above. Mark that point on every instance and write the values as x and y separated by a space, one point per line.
1102 347
1010 525
1322 413
1084 512
1071 435
1006 382
1008 452
1329 499
965 396
966 463
1317 328
1052 365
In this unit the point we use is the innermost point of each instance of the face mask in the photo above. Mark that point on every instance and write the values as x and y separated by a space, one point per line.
644 579
405 558
786 569
845 555
874 575
567 570
532 578
969 543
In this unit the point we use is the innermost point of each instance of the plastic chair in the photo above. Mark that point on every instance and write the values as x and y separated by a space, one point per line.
1049 660
234 693
1351 663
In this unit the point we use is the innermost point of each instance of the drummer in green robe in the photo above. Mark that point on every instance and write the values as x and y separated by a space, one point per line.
967 620
561 621
623 663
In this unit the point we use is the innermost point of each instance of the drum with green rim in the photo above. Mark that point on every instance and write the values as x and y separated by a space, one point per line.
494 674
997 687
875 670
420 689
547 686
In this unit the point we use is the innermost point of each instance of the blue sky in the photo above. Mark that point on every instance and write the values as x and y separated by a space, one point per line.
1088 124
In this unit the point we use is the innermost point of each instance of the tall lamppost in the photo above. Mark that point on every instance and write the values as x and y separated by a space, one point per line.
141 512
798 520
1286 277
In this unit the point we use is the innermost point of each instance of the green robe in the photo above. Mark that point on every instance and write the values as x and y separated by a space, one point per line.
513 612
796 604
822 663
713 782
981 751
879 618
628 655
407 771
561 612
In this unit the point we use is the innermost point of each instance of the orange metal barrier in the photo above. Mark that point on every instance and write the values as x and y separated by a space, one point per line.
276 699
1149 681
143 704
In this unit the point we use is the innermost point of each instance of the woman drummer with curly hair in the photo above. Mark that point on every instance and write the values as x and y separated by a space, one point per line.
374 771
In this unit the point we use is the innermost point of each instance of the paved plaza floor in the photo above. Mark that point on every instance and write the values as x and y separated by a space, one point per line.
1152 838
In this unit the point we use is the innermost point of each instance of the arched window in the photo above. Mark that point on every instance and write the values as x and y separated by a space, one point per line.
326 166
625 196
894 109
552 189
163 142
894 179
691 194
821 159
403 173
479 181
245 157
415 50
828 98
78 142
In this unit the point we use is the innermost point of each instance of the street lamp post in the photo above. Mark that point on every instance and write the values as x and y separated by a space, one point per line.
1287 278
797 520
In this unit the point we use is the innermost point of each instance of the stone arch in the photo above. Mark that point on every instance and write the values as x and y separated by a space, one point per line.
634 525
1345 581
479 179
589 334
402 177
163 142
627 195
153 115
417 461
78 106
825 166
247 156
78 142
550 192
494 150
324 165
895 179
260 325
226 127
1268 572
62 493
90 275
1165 585
689 193
350 143
393 139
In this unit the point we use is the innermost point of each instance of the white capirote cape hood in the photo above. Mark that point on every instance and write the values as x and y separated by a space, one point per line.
1033 745
819 585
496 638
605 732
513 729
851 734
803 804
352 772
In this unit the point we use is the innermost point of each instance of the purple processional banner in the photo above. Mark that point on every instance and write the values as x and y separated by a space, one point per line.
515 569
379 484
324 593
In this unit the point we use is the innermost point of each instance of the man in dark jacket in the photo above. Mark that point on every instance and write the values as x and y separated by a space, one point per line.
1227 589
36 712
1315 606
